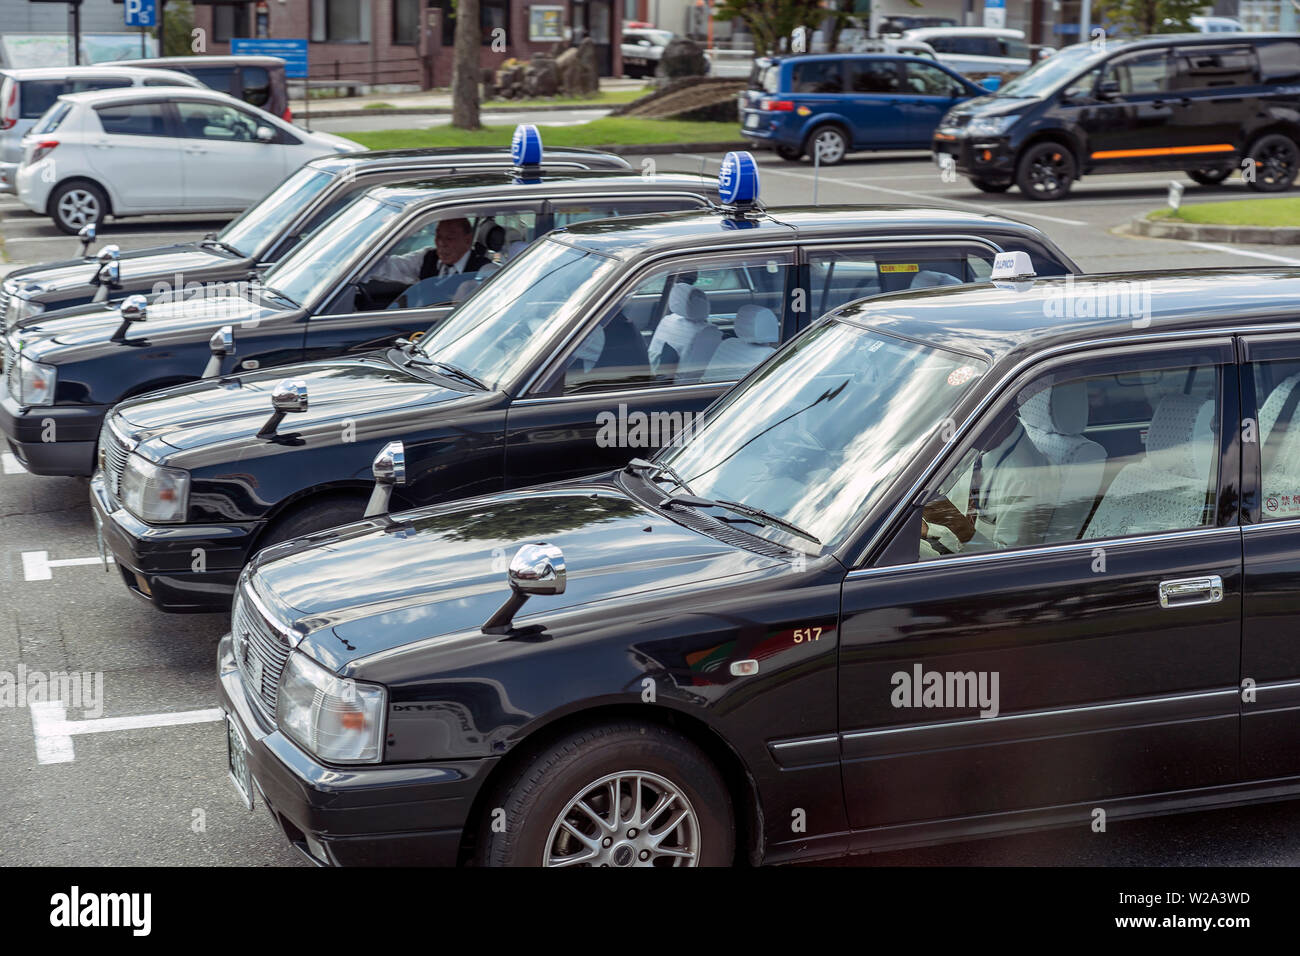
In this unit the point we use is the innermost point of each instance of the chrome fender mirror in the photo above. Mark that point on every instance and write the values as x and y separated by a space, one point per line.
221 344
288 398
535 569
389 469
87 235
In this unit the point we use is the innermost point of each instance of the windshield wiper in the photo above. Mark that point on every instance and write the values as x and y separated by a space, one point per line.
640 464
276 294
215 243
697 502
446 369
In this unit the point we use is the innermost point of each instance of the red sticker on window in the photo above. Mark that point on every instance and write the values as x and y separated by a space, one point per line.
961 376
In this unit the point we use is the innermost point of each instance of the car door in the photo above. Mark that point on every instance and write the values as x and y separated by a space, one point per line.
675 337
1218 89
1056 619
137 156
875 102
225 166
1270 667
929 93
1131 127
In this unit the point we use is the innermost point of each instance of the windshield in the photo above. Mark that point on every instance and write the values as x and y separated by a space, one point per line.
313 269
496 334
1046 76
259 224
822 430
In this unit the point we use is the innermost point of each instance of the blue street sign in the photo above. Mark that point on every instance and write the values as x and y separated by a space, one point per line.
141 13
293 52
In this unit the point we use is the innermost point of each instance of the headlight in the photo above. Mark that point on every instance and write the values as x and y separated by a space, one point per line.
35 382
154 493
335 719
991 125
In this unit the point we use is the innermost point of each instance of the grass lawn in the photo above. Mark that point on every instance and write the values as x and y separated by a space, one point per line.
602 98
1244 212
608 131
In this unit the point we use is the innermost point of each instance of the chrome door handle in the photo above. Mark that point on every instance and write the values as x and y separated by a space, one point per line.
1207 589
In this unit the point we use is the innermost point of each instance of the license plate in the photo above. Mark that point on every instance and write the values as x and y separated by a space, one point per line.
237 762
99 539
751 121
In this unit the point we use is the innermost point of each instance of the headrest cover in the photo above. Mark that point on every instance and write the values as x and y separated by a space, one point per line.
928 279
1181 436
1062 409
689 302
757 325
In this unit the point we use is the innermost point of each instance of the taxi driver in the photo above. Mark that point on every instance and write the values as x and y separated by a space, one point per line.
453 253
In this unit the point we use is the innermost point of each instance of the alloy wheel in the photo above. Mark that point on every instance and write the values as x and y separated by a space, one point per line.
78 207
630 818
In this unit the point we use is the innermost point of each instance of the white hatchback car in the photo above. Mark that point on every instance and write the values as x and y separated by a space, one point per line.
135 152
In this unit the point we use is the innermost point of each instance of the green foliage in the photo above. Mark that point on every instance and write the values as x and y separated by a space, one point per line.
178 25
774 21
1140 17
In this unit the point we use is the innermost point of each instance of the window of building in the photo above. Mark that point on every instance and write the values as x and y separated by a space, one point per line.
229 20
406 22
493 14
340 21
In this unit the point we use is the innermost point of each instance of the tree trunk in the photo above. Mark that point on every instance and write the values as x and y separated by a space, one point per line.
465 68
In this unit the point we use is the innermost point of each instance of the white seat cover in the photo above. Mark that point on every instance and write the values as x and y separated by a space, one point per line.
1055 419
1167 490
929 278
687 320
1280 450
757 332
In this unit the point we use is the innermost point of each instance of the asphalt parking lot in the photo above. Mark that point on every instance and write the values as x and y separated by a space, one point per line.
144 781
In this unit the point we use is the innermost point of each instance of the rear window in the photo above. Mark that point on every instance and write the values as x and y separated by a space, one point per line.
257 85
765 78
817 76
38 96
52 118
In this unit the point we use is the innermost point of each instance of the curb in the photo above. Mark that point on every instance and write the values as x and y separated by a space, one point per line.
652 149
446 110
1261 235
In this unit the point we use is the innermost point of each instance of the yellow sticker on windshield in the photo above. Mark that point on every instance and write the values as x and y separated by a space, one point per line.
899 267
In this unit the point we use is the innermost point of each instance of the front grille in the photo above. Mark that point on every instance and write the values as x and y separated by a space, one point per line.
257 641
10 368
4 308
113 453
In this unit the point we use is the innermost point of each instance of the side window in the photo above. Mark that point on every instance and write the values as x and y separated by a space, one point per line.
1215 69
215 121
1278 60
133 119
214 77
685 323
837 276
1140 74
257 85
873 76
1011 47
441 260
567 213
817 76
1277 392
930 81
1101 449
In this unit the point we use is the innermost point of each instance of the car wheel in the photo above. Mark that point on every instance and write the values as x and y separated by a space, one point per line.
1208 177
624 794
312 518
790 153
78 204
1277 160
1045 171
828 142
983 185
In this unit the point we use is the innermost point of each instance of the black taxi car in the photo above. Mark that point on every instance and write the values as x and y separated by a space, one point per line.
369 276
263 234
601 343
951 563
1210 104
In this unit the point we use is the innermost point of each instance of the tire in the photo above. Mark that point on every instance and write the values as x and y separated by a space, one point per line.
831 141
1277 160
587 765
76 204
1045 171
789 153
313 517
984 186
1208 177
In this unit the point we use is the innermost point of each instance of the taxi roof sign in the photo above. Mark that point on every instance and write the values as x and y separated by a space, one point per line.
1012 265
738 179
526 145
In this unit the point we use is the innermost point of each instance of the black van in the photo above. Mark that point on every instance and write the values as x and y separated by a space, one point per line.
257 80
1206 103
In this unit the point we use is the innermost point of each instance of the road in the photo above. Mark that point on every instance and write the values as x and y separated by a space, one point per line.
508 118
155 792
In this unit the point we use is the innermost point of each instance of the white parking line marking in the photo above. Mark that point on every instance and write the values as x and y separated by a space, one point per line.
1012 213
12 466
54 732
1215 247
37 564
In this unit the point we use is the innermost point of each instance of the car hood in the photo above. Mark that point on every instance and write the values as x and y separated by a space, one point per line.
95 324
341 143
382 584
212 411
165 264
988 105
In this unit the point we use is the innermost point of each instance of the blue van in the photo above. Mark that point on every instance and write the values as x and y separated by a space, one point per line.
838 102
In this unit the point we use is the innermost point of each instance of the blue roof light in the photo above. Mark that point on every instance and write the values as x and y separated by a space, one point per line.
738 178
526 146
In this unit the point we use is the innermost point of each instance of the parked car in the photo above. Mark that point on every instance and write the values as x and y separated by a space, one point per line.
135 152
262 235
369 276
1216 24
600 343
976 49
954 562
257 80
898 25
26 94
837 103
643 49
1207 104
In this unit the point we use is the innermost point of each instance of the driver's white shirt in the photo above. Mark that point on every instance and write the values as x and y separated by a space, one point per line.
406 267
